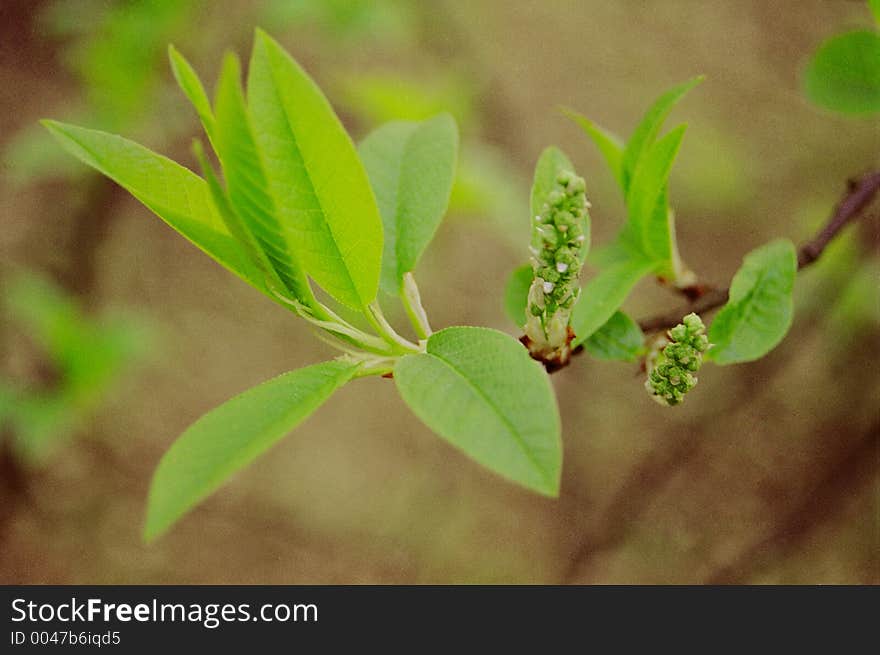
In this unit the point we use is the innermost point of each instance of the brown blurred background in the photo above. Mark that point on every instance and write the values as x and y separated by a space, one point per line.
769 471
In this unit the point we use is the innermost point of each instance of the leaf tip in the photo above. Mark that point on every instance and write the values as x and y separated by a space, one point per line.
231 63
550 489
153 529
178 62
263 39
681 128
571 114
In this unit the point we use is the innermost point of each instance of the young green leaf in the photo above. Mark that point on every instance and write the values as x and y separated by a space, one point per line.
604 294
325 202
189 82
246 177
479 389
231 436
648 226
231 219
759 311
620 338
175 194
646 131
874 6
516 294
411 166
844 74
609 144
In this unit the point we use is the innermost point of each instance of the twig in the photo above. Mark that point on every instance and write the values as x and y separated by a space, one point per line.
859 195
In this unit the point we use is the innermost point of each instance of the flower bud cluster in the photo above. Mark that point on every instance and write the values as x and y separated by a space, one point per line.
672 367
558 245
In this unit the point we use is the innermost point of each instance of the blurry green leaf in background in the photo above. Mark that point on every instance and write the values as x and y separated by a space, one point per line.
486 186
353 20
84 356
116 54
380 97
844 74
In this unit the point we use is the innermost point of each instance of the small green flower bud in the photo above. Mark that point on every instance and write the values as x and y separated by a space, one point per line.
678 333
577 185
672 363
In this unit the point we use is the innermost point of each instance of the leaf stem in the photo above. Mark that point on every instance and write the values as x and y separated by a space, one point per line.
337 326
377 319
412 303
379 366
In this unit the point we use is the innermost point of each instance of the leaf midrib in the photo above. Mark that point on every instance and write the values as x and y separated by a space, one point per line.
276 87
747 307
520 441
398 274
334 380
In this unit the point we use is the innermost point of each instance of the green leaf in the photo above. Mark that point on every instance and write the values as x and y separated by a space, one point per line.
228 438
620 338
249 193
646 131
648 227
189 82
604 294
844 74
411 166
175 194
516 294
230 218
874 6
325 202
479 389
609 144
759 311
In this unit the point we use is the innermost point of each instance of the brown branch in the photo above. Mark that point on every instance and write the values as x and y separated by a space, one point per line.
859 195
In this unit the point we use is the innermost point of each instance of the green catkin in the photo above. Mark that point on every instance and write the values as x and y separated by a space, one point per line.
671 368
558 246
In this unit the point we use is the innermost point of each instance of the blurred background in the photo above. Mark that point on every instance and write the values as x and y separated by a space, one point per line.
116 333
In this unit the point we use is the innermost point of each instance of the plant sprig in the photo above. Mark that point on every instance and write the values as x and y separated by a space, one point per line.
297 204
